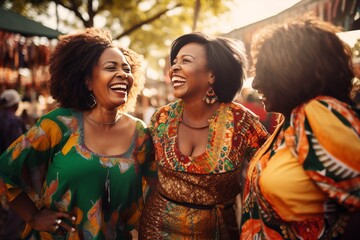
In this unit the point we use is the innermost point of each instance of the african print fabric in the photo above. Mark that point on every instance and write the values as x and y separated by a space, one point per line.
305 180
55 168
196 195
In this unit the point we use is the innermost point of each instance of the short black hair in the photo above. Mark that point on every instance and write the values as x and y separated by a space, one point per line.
226 59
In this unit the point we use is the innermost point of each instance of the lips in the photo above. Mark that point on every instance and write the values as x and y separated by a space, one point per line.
119 87
178 81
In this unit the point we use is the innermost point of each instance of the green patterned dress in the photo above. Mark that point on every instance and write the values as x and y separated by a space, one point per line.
55 168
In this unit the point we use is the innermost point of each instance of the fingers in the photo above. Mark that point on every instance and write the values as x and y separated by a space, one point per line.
53 221
56 227
59 223
68 225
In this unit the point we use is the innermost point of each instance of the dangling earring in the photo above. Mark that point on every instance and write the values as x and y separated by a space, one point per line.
210 96
92 102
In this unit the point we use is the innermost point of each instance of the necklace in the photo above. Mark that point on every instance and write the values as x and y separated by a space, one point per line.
189 126
118 116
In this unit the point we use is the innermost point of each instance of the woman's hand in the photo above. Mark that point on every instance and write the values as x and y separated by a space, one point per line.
52 221
44 219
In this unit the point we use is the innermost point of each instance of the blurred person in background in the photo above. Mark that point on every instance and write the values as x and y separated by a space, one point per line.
11 127
304 183
267 119
202 141
356 81
78 172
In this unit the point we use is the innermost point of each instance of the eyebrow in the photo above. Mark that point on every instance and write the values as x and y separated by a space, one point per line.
114 62
187 55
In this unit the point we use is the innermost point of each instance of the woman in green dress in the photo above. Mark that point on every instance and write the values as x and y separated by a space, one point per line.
78 172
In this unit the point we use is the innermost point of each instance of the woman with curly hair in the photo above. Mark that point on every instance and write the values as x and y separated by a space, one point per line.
78 172
304 183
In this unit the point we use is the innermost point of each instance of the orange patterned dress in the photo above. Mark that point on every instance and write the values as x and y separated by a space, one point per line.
305 180
195 195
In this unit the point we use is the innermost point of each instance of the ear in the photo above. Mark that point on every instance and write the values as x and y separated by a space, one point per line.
212 79
88 83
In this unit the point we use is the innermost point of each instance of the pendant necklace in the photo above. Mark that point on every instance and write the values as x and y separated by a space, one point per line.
192 127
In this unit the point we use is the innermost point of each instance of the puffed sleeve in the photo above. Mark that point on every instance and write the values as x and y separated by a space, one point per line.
256 135
146 155
326 134
23 165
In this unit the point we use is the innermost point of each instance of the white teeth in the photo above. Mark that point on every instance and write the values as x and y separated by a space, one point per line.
119 87
178 79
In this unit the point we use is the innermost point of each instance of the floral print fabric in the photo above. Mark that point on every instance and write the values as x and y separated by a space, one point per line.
305 180
55 168
195 197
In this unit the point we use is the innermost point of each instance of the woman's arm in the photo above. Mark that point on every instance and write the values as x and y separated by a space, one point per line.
42 220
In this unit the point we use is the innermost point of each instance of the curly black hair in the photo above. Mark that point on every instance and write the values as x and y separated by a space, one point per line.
72 63
302 59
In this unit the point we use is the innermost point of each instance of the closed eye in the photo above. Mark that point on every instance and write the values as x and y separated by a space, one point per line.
110 68
182 61
127 70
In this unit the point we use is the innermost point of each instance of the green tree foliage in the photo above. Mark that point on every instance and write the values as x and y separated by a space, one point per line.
150 25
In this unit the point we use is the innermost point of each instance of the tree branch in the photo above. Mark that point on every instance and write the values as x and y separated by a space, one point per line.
74 8
146 21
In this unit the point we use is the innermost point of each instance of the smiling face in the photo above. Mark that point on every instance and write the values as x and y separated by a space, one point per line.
189 72
111 79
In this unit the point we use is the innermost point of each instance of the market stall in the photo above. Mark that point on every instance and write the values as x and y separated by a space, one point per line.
25 48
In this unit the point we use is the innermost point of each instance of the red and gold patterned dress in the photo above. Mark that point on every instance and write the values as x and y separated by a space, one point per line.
305 180
195 195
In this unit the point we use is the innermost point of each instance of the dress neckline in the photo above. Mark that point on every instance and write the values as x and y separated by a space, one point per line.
80 117
178 119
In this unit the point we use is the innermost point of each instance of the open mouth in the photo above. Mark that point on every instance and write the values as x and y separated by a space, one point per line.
120 87
178 81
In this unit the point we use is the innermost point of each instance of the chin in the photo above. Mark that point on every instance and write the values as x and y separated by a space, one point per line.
178 94
122 102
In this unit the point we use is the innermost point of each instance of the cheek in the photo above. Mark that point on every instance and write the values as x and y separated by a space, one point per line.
131 81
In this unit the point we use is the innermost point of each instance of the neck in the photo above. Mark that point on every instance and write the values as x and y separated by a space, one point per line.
197 116
93 120
198 112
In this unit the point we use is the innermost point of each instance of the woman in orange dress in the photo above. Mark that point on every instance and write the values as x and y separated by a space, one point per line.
201 143
305 180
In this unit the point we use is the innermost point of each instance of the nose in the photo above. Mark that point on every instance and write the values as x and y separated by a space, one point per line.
174 67
122 74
